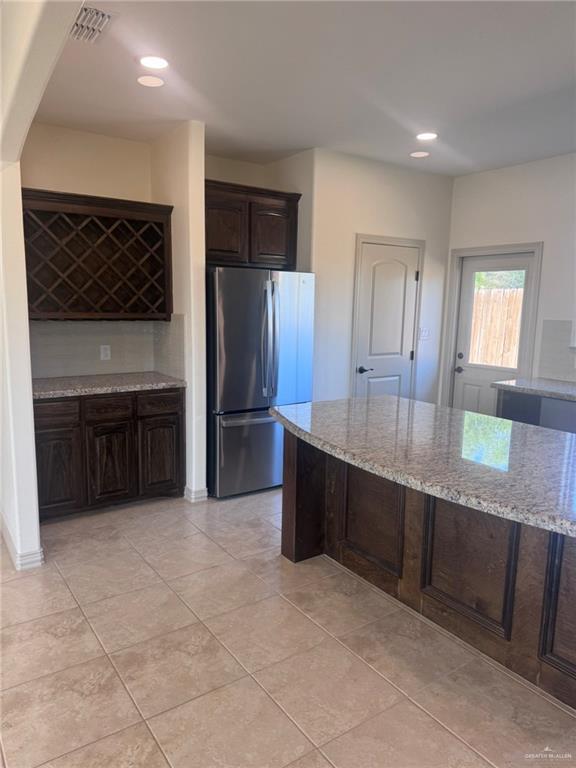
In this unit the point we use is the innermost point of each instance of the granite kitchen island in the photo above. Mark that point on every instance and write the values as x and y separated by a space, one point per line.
468 519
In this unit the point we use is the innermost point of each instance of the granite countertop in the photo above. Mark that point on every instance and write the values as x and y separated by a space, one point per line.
102 384
512 470
560 390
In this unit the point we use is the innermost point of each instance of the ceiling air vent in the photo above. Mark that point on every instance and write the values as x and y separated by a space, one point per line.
89 24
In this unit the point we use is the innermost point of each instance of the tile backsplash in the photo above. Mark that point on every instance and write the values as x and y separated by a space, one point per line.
169 347
72 348
557 357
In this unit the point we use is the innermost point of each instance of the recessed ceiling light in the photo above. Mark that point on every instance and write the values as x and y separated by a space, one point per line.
419 154
150 81
427 136
153 62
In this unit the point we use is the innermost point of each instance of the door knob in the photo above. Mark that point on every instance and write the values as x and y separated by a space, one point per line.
459 369
361 369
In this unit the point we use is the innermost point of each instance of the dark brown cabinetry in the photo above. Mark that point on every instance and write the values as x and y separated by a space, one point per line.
96 258
59 466
544 411
249 226
504 587
110 460
97 450
159 440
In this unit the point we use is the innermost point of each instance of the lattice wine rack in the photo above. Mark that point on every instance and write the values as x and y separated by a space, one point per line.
93 258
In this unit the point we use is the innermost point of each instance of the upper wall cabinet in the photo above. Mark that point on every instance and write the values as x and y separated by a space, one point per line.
249 226
96 258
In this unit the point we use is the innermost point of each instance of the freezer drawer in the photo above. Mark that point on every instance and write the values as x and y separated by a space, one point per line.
248 450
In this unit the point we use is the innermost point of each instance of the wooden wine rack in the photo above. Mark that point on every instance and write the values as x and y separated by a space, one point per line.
96 258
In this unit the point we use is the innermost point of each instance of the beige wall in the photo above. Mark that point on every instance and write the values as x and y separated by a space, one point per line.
86 163
296 174
239 172
178 179
19 497
533 202
352 196
32 36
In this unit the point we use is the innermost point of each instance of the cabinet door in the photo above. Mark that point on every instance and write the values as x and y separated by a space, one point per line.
226 228
111 462
160 455
59 468
273 226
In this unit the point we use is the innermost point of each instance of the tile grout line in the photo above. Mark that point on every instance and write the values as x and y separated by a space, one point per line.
261 687
397 606
566 708
403 694
124 686
220 643
252 675
55 672
283 596
247 675
107 657
96 741
54 564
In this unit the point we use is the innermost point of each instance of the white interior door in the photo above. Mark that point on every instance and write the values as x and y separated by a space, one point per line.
493 331
385 316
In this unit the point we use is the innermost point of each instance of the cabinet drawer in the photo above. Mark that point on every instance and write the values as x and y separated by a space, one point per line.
108 408
157 403
56 413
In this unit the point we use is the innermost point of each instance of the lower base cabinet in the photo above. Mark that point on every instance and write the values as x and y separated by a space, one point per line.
159 446
98 450
59 469
110 462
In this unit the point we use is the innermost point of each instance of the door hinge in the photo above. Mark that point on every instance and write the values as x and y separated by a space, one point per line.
417 275
412 355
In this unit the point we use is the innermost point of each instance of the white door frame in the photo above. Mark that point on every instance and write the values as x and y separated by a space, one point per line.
452 308
361 240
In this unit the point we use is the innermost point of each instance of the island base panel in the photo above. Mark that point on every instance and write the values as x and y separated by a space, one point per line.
505 588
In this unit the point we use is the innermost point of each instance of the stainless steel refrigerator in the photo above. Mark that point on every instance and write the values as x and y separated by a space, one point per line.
259 350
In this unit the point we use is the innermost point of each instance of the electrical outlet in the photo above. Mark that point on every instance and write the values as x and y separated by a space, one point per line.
105 352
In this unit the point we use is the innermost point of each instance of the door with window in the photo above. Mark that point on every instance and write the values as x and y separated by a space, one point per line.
495 337
386 302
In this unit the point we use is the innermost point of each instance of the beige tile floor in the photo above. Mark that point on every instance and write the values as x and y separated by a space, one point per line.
172 634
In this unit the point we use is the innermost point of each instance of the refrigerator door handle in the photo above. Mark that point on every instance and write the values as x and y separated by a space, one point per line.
275 337
264 343
269 336
246 421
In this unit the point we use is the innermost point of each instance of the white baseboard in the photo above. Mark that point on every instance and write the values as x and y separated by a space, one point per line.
198 495
22 560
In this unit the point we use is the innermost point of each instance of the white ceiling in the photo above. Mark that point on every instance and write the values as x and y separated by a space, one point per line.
496 80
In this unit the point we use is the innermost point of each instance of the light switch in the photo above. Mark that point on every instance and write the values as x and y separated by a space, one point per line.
424 334
105 352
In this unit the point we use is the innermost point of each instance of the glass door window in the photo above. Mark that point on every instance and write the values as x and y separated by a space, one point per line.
496 317
496 307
